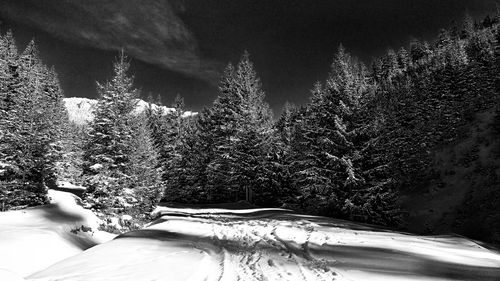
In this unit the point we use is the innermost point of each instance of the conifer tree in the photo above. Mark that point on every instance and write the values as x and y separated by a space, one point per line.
174 130
286 123
107 152
496 69
120 167
323 140
467 26
390 65
145 176
32 119
403 59
332 146
232 140
242 135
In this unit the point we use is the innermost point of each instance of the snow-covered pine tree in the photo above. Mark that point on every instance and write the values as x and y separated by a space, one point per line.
155 116
12 189
120 166
322 141
403 59
467 27
145 176
497 81
174 126
390 65
107 152
370 185
10 83
34 114
234 136
255 139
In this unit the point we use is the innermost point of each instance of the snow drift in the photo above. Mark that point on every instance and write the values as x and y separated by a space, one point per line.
34 238
273 244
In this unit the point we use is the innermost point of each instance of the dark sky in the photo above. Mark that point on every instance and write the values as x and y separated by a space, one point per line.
180 46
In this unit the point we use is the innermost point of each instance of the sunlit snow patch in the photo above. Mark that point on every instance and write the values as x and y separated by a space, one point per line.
273 244
34 238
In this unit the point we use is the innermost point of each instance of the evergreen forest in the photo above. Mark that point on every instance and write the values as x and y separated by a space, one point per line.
409 141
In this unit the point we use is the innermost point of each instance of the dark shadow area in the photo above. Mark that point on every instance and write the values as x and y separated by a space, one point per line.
54 213
398 262
82 243
77 192
241 205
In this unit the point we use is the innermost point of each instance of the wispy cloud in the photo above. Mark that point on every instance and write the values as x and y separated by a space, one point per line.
148 30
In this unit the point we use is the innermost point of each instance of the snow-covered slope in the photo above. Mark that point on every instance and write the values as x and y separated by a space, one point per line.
80 109
273 244
34 238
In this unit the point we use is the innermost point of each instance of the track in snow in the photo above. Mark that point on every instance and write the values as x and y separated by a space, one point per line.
273 244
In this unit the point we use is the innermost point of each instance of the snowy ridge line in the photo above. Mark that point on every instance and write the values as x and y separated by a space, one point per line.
80 109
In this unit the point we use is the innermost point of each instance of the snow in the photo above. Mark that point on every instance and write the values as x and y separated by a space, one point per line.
34 238
135 259
4 165
163 210
189 114
273 244
126 218
70 186
142 106
49 243
6 275
80 109
96 167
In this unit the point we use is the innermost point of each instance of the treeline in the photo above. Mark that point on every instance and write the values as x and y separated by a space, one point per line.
367 135
32 125
313 159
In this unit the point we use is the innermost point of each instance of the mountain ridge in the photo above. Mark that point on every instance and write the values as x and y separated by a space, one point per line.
80 109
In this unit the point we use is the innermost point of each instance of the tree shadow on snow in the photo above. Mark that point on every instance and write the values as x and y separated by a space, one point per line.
55 213
400 263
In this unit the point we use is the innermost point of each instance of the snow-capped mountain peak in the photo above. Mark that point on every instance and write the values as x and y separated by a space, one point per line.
80 109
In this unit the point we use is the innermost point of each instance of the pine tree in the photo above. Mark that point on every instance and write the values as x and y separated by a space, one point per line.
145 177
403 59
323 141
480 47
286 124
32 119
419 51
496 69
336 162
107 153
174 130
444 39
390 65
467 26
232 140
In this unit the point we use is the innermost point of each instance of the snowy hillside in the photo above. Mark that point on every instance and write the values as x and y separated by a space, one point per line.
80 109
221 244
34 238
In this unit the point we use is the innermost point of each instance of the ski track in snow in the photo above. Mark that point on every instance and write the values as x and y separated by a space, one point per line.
279 248
271 245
